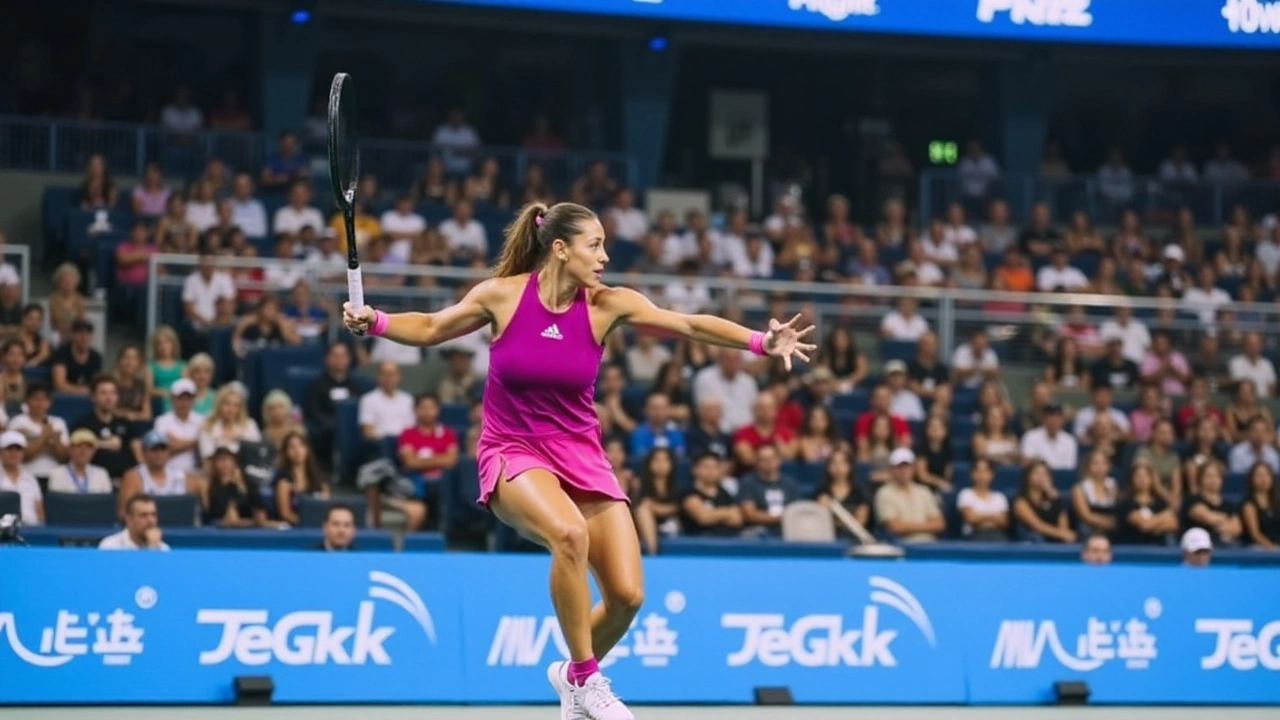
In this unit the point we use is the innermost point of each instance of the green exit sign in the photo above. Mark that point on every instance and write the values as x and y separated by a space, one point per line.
944 152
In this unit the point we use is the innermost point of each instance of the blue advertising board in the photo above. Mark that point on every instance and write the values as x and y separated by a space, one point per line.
1174 23
83 627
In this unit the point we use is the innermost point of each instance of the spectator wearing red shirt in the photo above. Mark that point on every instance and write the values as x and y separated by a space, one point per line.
426 451
790 411
880 400
1197 406
764 429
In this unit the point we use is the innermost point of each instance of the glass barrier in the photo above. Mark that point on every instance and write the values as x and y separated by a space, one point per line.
1027 331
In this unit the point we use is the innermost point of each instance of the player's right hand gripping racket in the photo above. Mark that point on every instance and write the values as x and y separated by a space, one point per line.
344 169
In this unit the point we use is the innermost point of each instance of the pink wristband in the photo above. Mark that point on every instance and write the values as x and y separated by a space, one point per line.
756 343
380 322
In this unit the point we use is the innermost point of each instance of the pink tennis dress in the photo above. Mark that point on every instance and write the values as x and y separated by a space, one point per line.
539 400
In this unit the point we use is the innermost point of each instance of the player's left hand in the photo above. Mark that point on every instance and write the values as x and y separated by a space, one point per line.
785 341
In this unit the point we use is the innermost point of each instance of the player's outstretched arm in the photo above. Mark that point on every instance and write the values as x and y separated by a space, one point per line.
784 340
425 329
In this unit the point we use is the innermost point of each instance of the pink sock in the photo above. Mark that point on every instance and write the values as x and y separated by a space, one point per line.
580 671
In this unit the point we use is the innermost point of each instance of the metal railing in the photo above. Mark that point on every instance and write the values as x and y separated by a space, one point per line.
45 144
19 256
1023 326
1154 199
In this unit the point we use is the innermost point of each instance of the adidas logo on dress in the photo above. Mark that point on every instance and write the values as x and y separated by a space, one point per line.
553 332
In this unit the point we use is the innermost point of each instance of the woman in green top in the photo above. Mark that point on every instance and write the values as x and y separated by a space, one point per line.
166 365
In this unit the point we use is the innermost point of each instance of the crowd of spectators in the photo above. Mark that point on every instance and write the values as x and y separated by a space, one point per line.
706 441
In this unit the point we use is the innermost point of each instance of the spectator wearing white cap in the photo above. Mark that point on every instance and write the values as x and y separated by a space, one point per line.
181 426
903 402
15 479
1197 547
78 474
46 435
141 527
905 508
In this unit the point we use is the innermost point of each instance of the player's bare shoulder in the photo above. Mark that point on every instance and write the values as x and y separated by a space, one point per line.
618 301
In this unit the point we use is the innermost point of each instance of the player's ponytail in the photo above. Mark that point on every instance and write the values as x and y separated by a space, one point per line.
521 251
528 238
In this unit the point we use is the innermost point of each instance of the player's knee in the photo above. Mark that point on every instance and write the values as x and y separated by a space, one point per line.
569 539
626 599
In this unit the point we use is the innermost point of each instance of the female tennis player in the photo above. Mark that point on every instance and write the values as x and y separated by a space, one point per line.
542 468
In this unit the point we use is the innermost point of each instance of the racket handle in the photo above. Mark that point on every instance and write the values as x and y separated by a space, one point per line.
355 289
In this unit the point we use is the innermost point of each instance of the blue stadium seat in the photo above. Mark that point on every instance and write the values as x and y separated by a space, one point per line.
422 542
811 476
855 402
70 407
311 511
960 474
38 374
903 350
735 547
951 514
225 361
455 415
1233 484
176 511
268 369
298 379
77 509
10 503
349 439
862 473
1007 479
623 254
1064 480
962 448
460 515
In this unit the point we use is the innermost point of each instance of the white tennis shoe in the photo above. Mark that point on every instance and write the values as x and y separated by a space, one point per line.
558 676
595 700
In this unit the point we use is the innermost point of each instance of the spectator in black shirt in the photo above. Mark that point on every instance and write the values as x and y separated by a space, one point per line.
703 435
75 363
1038 509
766 492
1260 511
1208 509
709 509
840 486
657 512
231 501
320 407
116 450
925 372
10 306
1142 517
1113 369
1040 238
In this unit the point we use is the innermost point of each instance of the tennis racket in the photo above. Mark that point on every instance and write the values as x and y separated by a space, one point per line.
344 170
